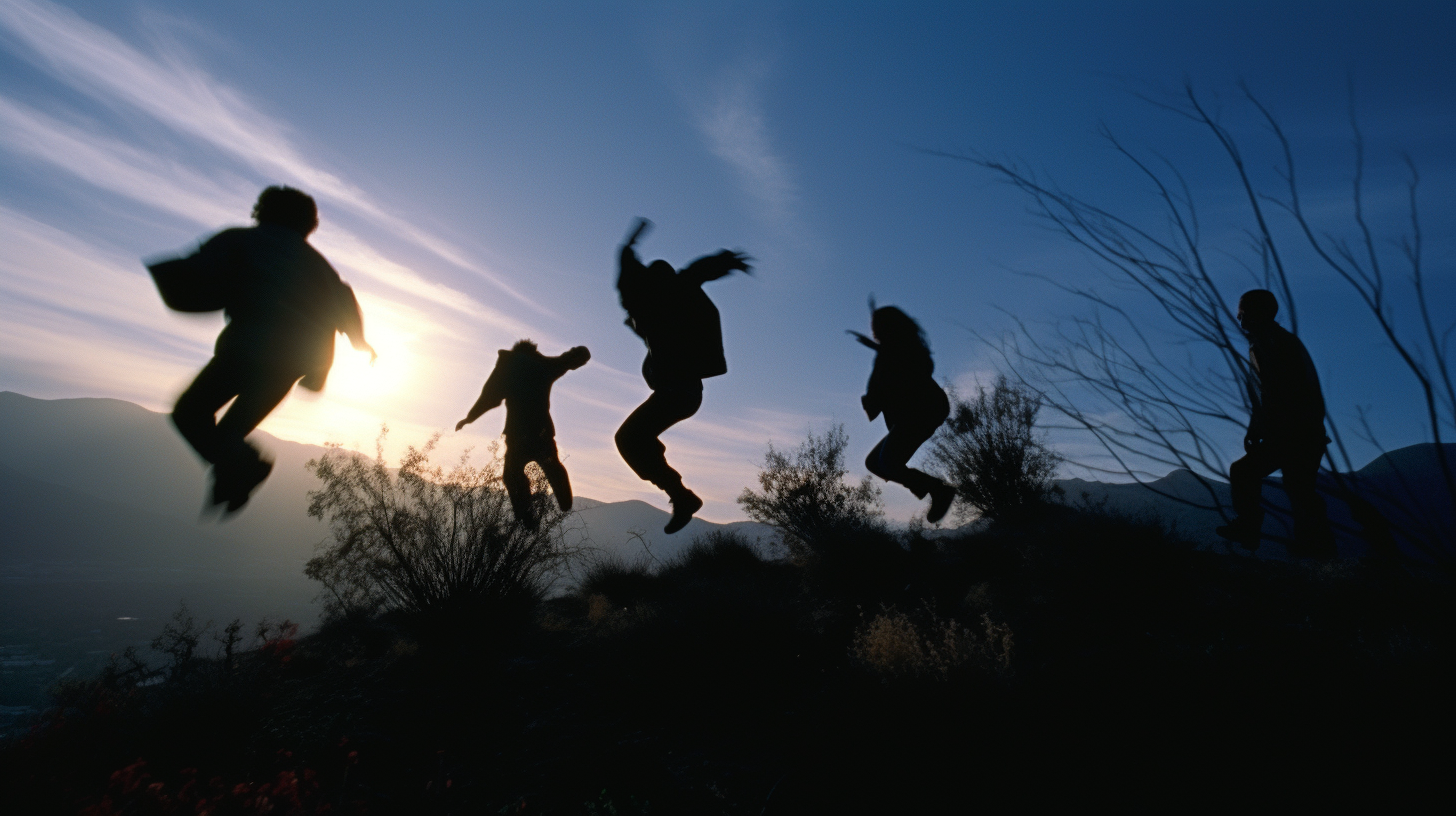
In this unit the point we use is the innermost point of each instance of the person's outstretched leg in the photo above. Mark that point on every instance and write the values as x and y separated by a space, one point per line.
550 462
1246 480
518 485
643 452
1312 533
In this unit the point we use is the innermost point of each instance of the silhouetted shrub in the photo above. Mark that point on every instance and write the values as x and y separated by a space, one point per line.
990 451
720 551
807 497
617 579
442 545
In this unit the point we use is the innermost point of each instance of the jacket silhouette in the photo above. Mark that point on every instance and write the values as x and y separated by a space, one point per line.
522 379
672 314
283 303
903 388
1286 432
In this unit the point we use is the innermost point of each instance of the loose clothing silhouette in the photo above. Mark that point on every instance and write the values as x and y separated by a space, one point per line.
672 314
522 379
283 303
1286 433
902 387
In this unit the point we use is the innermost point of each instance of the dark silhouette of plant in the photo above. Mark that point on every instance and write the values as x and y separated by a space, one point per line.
178 640
990 451
426 541
806 495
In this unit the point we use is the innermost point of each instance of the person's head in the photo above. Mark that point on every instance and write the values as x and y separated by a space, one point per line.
287 207
1257 308
661 267
524 345
892 327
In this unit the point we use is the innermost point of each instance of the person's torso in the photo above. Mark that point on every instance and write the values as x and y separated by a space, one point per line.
903 382
528 396
282 295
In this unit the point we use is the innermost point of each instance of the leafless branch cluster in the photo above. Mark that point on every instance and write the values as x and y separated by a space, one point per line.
421 539
1170 395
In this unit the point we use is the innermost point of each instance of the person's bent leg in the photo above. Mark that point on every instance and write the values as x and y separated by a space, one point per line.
890 459
240 467
1246 480
1313 535
195 414
518 485
637 438
550 462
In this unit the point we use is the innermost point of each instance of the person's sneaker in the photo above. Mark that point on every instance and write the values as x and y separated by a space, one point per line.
940 500
1239 533
684 505
242 482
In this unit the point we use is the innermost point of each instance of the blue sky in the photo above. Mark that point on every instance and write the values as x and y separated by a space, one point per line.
476 166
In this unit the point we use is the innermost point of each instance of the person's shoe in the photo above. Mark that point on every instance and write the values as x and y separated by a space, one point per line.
1239 532
941 498
238 484
684 505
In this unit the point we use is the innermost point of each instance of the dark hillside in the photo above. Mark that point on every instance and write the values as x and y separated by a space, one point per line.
1074 659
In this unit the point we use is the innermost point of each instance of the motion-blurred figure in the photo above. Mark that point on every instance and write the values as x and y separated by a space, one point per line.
522 378
1286 433
672 314
902 388
283 303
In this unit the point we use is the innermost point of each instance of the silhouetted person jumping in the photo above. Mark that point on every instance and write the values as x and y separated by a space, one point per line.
902 388
283 304
522 378
1286 433
672 314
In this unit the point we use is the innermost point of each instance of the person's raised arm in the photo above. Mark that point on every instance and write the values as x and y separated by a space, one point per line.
569 360
713 267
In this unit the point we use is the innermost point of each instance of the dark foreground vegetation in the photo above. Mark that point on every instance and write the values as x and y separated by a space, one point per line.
1071 657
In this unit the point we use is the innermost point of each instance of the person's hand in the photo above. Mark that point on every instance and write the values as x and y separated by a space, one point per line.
461 424
642 225
869 411
364 346
737 260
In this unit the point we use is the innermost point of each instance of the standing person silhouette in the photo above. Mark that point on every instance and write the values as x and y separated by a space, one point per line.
902 388
522 378
672 314
1286 432
283 303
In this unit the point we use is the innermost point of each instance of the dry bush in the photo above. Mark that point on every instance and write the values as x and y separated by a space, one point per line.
894 645
428 541
808 498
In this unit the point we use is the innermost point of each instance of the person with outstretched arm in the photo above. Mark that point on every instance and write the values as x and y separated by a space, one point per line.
672 314
522 379
901 387
283 303
1286 433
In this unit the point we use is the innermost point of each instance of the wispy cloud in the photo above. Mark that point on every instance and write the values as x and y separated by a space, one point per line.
172 89
733 121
